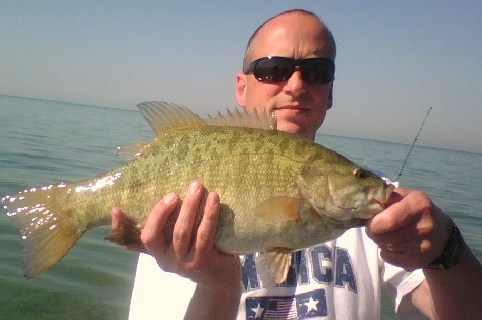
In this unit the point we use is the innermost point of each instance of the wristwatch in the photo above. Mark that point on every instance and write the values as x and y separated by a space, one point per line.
450 255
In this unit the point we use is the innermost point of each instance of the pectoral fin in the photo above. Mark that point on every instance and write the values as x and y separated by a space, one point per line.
273 266
279 208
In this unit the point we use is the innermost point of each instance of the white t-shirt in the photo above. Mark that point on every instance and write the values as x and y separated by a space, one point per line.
340 279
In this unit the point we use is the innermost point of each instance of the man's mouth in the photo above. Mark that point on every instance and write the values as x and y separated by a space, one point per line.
291 108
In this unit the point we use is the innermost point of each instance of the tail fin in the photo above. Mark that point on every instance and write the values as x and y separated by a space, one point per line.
47 226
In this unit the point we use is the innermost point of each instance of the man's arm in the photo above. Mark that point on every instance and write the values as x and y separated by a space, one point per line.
456 292
214 303
411 233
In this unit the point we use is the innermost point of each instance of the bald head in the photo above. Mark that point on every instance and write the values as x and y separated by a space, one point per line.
292 21
298 103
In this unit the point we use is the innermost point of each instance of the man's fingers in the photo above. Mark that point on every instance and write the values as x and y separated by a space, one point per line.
417 229
206 233
182 236
408 254
412 231
152 235
118 217
409 208
409 247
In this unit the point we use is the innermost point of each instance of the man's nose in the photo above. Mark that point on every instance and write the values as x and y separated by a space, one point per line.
295 84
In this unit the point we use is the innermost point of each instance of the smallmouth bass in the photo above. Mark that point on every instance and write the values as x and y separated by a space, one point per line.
279 192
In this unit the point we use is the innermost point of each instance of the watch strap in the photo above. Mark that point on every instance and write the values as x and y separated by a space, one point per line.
451 253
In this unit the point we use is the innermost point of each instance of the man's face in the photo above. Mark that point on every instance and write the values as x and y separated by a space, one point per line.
299 106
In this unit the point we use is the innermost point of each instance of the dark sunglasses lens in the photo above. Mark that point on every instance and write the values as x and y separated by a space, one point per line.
274 69
318 71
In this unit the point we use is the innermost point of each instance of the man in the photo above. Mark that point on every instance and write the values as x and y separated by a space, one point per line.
339 279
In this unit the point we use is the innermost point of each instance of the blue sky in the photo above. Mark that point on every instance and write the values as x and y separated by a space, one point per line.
395 59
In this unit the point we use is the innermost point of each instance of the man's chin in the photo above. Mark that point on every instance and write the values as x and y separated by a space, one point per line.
293 128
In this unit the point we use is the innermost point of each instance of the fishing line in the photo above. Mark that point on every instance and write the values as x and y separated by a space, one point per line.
413 144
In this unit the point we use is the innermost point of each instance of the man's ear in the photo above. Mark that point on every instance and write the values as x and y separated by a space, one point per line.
330 98
241 89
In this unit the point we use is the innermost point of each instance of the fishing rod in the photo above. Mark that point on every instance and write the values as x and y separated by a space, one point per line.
413 144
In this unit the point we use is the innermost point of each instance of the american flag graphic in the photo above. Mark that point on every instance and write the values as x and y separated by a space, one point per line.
301 306
284 308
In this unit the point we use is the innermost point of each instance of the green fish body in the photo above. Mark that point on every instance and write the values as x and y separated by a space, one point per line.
279 192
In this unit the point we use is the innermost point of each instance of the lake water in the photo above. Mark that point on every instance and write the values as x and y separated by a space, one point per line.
45 142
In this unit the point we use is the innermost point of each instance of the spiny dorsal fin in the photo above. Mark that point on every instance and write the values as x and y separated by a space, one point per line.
235 118
163 116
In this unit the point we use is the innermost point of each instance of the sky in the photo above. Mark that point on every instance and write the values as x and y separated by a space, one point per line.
394 59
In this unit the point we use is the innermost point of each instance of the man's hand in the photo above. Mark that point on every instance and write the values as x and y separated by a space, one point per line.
191 253
412 231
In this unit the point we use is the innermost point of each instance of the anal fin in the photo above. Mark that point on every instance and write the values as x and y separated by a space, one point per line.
126 234
273 266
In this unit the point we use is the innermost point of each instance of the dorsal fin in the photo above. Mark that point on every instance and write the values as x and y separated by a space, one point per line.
163 116
235 118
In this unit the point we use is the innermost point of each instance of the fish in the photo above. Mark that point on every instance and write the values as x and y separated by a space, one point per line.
279 192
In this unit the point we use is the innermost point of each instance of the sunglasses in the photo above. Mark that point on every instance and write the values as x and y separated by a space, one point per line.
278 69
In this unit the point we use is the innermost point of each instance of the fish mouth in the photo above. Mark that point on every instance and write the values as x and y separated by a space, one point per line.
377 201
379 197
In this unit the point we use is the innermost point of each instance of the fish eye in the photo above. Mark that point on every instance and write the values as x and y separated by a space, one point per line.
359 173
